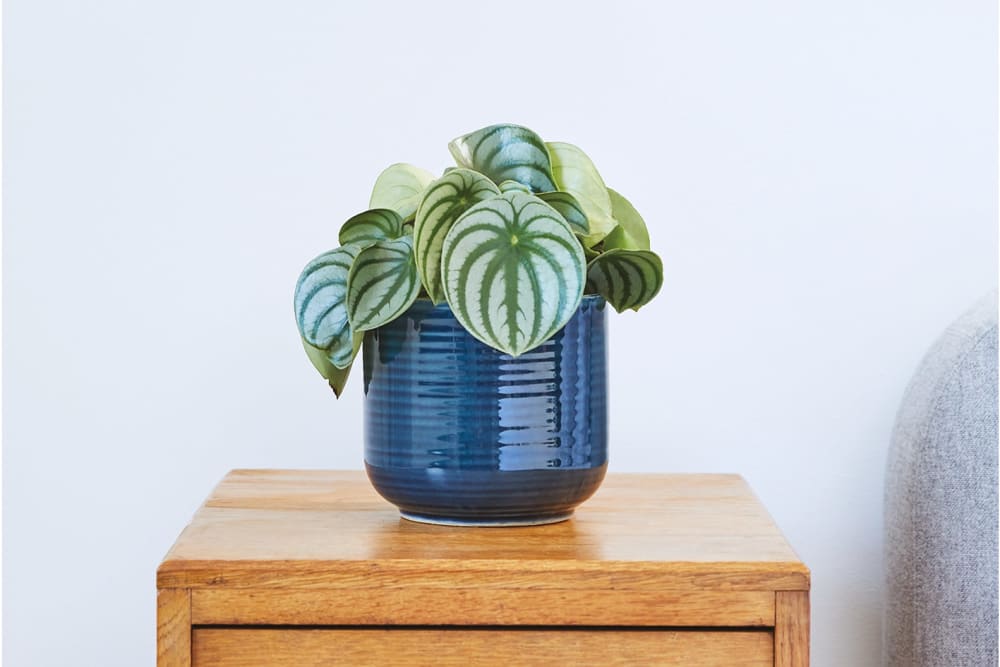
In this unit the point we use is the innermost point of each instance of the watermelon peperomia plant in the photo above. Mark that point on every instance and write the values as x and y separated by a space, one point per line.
511 238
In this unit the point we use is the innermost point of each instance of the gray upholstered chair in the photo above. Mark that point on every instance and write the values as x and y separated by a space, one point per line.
941 504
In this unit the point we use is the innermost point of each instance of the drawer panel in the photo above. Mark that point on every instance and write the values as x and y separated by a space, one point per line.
304 647
470 606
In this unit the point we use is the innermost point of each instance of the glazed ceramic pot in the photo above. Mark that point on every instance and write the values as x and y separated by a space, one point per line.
459 433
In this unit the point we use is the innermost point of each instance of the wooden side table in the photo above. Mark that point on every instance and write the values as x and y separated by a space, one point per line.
313 568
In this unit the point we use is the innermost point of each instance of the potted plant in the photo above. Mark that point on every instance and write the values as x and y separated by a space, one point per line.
478 299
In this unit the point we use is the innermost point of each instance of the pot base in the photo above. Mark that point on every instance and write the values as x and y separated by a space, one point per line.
485 497
502 522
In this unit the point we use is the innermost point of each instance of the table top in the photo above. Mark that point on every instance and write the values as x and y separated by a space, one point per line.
298 528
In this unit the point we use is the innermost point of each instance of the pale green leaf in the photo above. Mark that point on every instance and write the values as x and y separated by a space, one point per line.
506 152
513 272
631 232
626 278
399 187
320 304
335 377
574 173
443 202
507 186
382 283
570 209
372 226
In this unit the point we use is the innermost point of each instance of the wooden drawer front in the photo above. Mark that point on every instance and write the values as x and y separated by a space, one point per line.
217 647
469 606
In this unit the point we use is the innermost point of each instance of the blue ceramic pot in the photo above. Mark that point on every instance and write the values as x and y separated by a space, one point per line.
459 433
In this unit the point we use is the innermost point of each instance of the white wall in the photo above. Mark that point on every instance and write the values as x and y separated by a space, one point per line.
820 179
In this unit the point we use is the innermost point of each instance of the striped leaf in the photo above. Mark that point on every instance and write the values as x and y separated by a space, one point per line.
576 174
631 232
513 271
507 186
626 278
382 283
320 308
506 152
444 201
399 187
335 377
569 208
372 226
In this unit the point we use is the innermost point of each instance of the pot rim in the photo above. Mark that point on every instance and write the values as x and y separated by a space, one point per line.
591 298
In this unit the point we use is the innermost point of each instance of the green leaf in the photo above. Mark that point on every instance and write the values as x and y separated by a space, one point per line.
382 284
320 309
507 186
444 201
569 208
372 226
576 174
506 152
513 272
626 278
399 187
335 377
631 232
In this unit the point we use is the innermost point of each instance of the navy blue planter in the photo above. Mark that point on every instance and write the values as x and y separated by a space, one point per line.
459 433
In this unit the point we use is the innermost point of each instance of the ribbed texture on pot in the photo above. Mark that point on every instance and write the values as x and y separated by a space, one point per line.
454 428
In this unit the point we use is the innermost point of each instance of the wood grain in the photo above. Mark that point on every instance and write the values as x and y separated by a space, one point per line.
472 606
483 574
173 628
791 631
647 557
314 647
320 529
